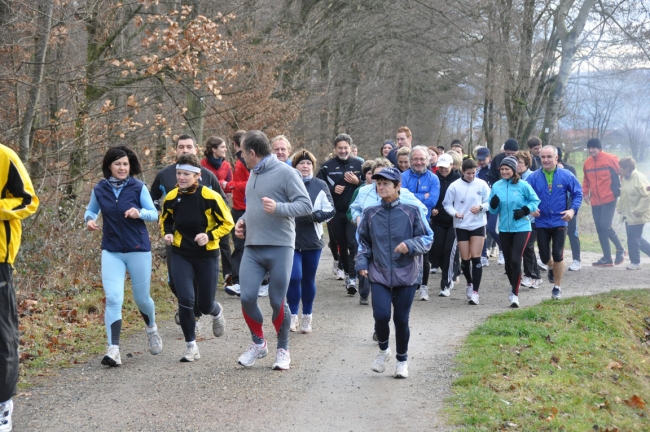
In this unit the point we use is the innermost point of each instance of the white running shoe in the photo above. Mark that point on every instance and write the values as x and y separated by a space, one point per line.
575 265
536 283
335 268
253 353
6 408
233 290
379 365
112 357
444 292
434 270
473 300
340 274
219 323
401 370
305 324
527 281
294 323
424 293
282 359
501 260
494 251
191 353
154 341
264 290
542 265
634 267
485 262
556 293
469 289
514 300
451 285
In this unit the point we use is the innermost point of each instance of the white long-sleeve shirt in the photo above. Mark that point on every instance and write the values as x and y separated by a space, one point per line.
461 196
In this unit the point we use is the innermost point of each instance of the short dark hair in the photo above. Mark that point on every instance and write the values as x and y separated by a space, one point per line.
212 143
468 164
189 159
342 137
441 148
534 142
115 153
184 137
456 143
258 142
237 136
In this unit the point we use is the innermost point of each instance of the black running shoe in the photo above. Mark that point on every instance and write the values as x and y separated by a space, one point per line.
620 256
551 278
603 262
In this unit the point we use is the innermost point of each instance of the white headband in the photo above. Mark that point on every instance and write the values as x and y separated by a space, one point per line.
190 168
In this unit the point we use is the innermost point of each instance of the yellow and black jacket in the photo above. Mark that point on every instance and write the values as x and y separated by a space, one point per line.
187 214
17 201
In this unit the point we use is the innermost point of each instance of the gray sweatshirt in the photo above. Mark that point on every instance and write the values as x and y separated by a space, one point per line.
283 184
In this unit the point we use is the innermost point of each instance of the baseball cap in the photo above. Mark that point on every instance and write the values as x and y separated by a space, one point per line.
389 173
482 153
445 161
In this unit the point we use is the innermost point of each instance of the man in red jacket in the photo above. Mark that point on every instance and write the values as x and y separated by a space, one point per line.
600 187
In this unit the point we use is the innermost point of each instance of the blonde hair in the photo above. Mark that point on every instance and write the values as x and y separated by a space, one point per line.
458 161
282 138
404 151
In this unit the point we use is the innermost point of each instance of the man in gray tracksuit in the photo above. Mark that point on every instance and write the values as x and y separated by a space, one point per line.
275 195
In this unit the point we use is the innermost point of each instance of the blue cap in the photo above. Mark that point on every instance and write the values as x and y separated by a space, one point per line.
389 173
482 153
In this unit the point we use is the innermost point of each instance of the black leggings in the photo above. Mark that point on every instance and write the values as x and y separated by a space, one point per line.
446 249
185 272
636 243
513 245
573 238
345 236
545 236
603 216
531 269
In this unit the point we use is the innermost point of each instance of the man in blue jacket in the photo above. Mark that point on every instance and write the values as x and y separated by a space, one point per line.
552 184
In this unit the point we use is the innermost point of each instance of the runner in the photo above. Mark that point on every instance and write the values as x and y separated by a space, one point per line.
275 195
552 184
18 201
634 207
391 235
483 158
403 137
125 204
513 201
387 147
466 200
193 220
281 148
574 238
342 174
404 159
532 275
309 242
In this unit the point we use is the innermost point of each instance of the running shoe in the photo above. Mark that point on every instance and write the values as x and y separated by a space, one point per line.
154 340
253 353
473 300
451 285
634 267
340 274
469 289
191 353
219 323
620 256
227 281
536 284
305 324
264 290
526 281
514 300
556 294
494 251
485 262
233 290
401 370
364 301
294 323
6 409
424 293
282 360
603 262
112 357
434 270
379 365
444 292
501 260
575 265
351 286
551 276
177 319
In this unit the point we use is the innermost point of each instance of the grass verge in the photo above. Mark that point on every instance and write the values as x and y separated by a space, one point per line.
574 365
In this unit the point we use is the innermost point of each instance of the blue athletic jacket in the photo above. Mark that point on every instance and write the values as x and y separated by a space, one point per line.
420 184
382 228
554 202
513 197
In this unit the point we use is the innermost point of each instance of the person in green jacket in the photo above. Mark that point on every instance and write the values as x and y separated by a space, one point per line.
634 207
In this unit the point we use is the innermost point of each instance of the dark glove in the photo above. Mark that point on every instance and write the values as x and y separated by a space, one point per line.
494 202
304 219
519 213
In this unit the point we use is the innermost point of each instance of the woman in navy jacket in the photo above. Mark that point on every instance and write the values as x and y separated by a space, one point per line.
125 204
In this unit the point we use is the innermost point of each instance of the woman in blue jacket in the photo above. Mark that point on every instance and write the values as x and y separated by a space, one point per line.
125 204
392 238
513 200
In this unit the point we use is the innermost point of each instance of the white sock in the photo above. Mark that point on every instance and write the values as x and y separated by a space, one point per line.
191 344
152 329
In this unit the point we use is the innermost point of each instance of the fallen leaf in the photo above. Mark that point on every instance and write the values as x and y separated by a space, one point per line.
614 365
599 306
635 402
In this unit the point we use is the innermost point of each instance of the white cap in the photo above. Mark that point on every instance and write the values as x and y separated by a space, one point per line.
445 161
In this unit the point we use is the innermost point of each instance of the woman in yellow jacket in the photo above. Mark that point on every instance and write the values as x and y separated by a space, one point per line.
634 207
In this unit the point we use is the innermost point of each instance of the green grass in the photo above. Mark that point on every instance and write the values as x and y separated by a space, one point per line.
570 365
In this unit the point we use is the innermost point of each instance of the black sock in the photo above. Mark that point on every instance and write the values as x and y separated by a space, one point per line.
477 272
464 266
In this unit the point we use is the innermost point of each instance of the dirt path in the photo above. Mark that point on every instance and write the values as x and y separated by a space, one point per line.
330 385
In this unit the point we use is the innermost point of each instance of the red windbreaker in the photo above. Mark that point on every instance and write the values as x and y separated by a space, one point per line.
601 178
238 184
